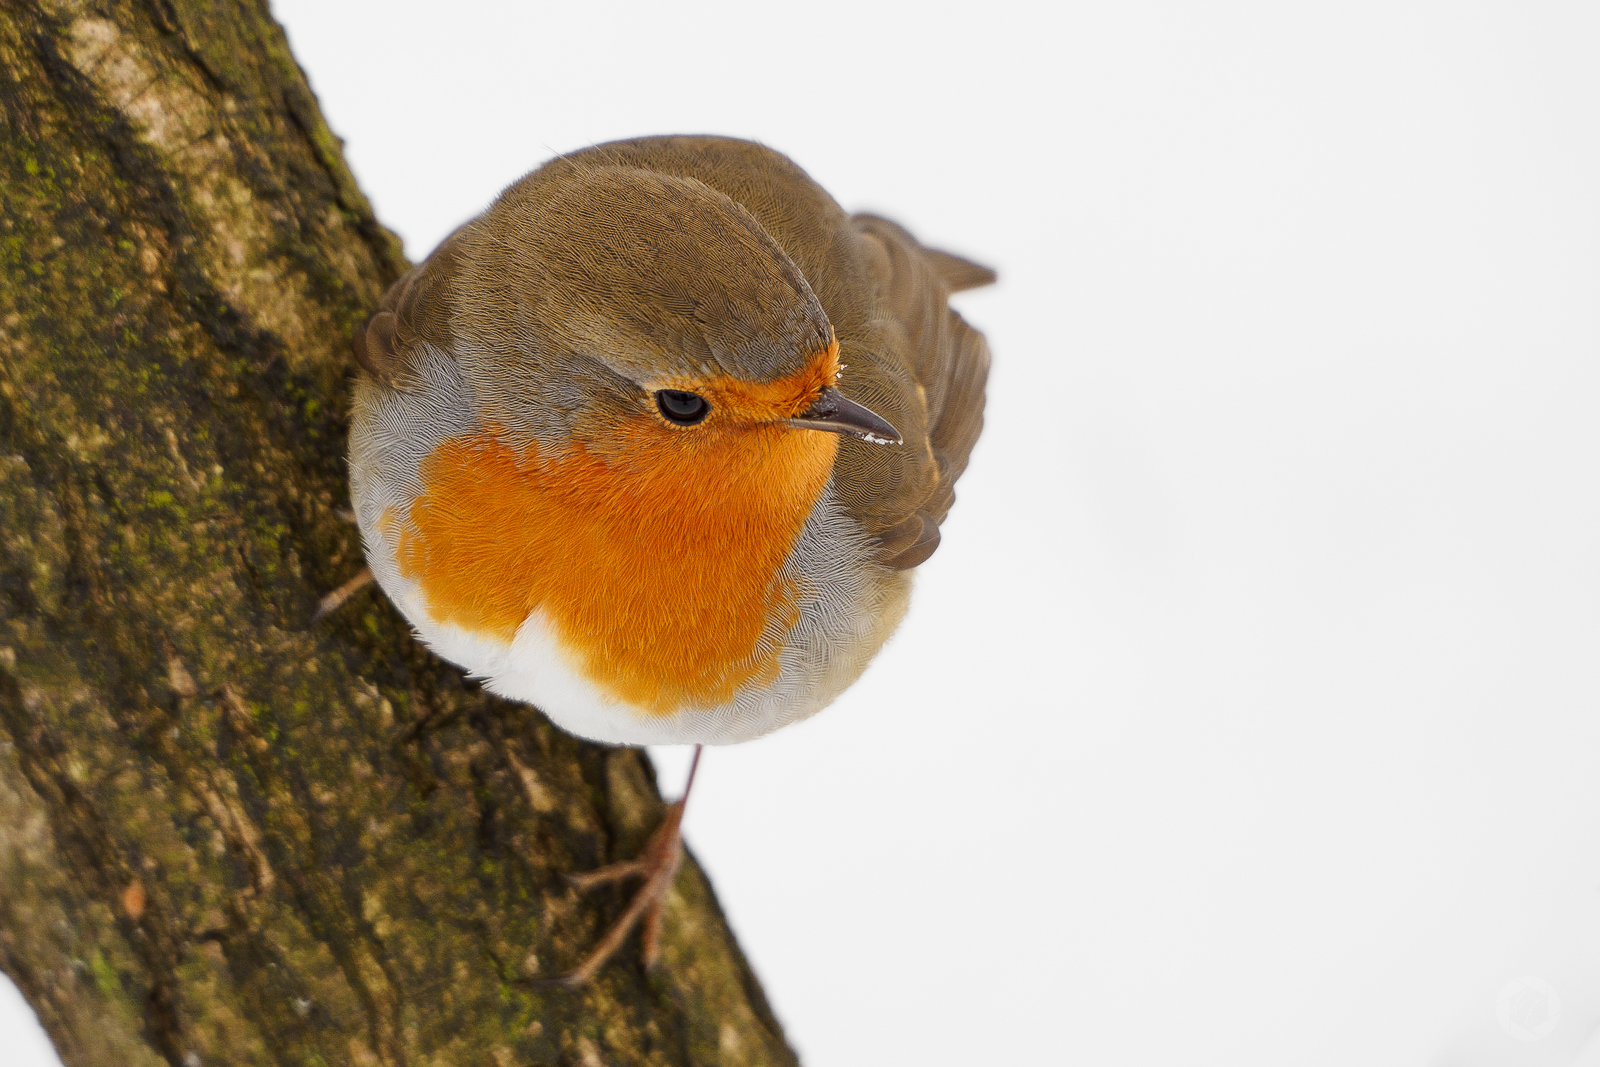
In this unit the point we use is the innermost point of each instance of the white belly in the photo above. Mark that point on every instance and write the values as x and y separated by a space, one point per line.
848 606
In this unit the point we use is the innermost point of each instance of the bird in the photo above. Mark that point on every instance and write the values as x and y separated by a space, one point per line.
655 444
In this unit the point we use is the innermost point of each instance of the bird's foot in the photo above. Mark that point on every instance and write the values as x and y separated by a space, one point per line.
658 865
334 600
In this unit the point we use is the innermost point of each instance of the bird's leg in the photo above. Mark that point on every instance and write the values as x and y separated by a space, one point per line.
658 865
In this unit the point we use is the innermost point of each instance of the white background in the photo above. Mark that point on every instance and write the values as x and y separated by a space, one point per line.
1250 712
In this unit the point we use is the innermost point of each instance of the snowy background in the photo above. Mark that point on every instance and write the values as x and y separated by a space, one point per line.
1250 712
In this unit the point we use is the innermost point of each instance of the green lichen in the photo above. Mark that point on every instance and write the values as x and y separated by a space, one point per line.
105 979
335 856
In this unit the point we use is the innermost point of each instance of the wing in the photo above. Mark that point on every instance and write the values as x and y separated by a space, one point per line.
417 307
949 367
909 357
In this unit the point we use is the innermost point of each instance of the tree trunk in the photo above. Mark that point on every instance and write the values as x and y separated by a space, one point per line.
228 835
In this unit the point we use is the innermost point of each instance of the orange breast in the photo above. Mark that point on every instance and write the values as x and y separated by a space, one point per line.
657 558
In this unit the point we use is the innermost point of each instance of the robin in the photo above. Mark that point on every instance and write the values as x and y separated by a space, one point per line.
655 443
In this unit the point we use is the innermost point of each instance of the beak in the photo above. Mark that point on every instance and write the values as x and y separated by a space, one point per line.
834 414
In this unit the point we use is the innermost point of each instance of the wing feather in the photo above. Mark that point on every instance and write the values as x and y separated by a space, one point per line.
949 361
417 308
909 356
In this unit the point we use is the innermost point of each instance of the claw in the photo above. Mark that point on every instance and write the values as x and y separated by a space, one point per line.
658 865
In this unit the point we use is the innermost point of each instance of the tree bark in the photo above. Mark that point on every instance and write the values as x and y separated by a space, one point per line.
228 835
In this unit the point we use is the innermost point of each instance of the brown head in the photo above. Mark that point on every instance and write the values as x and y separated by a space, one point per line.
652 385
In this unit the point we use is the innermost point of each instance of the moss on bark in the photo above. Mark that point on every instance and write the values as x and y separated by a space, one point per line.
228 835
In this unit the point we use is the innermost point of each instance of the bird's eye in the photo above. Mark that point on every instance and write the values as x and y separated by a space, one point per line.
685 409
